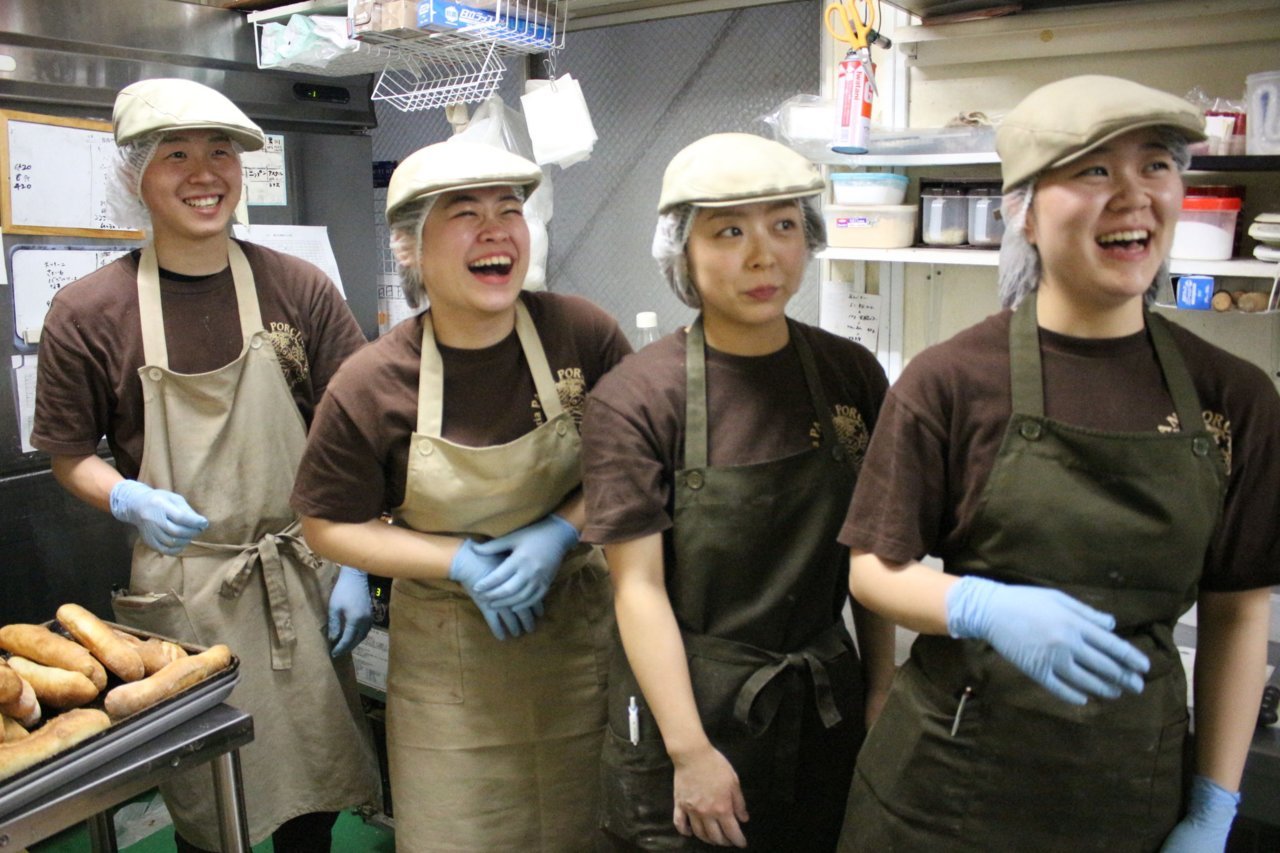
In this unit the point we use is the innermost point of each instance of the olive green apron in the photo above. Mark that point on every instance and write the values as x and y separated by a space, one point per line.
229 442
969 753
494 745
757 583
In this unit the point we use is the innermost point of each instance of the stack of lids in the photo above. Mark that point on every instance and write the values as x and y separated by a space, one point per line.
1266 230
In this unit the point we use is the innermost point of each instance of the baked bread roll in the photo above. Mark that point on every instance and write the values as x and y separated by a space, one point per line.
138 695
156 654
55 688
13 730
38 643
26 708
10 684
101 641
61 733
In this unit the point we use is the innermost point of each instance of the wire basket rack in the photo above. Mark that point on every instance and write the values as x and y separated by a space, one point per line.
456 55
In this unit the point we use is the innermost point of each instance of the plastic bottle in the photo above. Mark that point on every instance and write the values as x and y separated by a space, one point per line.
646 330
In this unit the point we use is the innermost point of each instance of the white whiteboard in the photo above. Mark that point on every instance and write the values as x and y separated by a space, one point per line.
39 272
56 176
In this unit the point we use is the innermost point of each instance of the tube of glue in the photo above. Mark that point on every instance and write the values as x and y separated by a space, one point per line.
853 105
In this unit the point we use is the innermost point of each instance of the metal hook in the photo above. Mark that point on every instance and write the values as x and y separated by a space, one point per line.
549 63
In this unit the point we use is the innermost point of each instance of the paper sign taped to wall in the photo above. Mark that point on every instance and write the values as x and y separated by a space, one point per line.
264 175
24 388
846 312
309 242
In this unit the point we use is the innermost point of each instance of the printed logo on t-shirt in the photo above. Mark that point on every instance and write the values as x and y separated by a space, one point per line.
851 432
1218 425
571 387
291 352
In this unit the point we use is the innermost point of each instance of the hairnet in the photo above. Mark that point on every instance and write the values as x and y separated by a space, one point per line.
1019 269
671 240
407 221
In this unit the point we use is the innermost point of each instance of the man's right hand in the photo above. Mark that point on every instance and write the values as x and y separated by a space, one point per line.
165 520
708 799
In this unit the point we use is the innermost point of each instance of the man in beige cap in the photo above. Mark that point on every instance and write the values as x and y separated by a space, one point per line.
718 464
461 424
1086 471
201 359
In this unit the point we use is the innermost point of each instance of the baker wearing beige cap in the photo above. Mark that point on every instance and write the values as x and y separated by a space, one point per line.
201 359
1086 471
461 425
719 462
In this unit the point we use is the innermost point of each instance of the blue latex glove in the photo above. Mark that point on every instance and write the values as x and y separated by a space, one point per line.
1210 811
165 520
533 555
350 611
1065 645
468 568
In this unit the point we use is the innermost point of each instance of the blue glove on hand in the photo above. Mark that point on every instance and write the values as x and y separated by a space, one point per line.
1210 811
468 568
1066 646
165 520
350 611
533 556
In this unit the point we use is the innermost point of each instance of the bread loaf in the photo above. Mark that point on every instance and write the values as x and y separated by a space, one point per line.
13 730
101 641
26 708
10 685
60 733
55 687
38 643
131 698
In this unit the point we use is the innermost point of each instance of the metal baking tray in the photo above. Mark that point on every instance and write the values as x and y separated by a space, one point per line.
122 736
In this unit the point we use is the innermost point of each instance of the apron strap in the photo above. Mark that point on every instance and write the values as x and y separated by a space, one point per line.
695 406
1186 402
1026 378
155 348
431 373
266 553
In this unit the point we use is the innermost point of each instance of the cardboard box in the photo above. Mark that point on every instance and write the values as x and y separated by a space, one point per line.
381 15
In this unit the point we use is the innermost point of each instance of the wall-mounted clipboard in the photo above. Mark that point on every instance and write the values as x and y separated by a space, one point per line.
56 172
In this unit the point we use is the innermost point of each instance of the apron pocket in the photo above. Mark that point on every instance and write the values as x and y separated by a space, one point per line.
636 792
160 613
425 658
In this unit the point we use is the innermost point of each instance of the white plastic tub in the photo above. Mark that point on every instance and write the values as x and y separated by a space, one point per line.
871 226
1206 229
860 188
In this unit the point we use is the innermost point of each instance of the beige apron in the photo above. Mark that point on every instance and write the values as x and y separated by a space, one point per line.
495 745
229 442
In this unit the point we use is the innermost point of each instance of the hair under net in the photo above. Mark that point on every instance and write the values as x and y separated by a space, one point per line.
1019 268
671 239
405 243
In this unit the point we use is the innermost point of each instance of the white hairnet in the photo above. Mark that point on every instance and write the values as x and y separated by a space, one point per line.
406 224
124 188
1019 268
671 239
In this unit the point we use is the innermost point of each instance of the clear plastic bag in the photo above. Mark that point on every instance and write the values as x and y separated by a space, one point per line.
312 40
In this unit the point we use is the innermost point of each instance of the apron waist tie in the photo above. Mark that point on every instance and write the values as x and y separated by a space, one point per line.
267 553
829 645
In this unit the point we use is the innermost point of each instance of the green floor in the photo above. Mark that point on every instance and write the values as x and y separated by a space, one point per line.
352 834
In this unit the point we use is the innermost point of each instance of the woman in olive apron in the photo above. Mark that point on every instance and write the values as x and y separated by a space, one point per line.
1044 706
739 704
499 618
228 442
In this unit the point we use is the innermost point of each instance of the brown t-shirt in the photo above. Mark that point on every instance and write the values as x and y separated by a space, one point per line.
91 346
945 418
759 409
357 452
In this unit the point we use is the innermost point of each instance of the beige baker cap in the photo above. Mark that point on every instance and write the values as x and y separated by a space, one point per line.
1066 119
725 169
168 104
457 165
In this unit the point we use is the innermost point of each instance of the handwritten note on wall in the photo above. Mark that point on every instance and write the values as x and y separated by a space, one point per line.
40 272
264 175
56 173
850 314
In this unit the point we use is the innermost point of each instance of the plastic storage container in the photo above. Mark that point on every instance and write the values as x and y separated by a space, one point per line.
945 216
1225 191
1262 130
870 226
868 188
1206 228
986 227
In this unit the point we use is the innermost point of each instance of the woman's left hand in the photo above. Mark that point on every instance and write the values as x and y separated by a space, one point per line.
534 554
